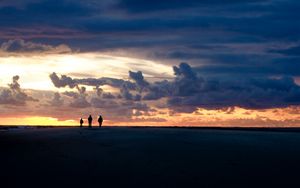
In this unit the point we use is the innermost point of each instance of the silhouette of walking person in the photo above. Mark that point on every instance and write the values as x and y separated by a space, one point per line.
90 119
100 120
81 122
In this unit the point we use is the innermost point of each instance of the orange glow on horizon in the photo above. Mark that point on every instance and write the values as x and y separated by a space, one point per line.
231 117
36 120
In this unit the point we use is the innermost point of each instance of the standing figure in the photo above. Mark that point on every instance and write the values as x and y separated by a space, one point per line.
90 119
100 120
81 122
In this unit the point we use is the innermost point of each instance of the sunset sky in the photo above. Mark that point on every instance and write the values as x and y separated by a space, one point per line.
156 63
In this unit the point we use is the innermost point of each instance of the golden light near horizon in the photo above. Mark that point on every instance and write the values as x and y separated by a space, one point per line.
36 121
227 117
224 118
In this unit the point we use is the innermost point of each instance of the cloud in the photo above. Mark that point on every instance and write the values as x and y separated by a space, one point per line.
71 94
37 11
102 103
64 81
14 95
190 91
21 46
158 90
175 31
127 95
57 101
156 5
139 79
220 92
102 94
121 110
108 95
185 71
292 51
148 120
124 104
80 100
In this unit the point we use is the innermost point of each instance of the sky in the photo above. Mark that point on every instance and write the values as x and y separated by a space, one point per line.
157 63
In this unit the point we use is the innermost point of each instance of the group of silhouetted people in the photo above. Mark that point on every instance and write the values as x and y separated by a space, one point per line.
90 120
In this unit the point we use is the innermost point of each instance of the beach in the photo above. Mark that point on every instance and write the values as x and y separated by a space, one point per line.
149 157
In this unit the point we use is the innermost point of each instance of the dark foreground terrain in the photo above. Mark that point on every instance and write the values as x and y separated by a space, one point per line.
149 157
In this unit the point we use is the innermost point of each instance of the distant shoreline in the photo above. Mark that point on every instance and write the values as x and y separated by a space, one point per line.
267 129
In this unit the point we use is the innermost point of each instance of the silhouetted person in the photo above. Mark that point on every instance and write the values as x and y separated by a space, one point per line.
90 119
100 120
81 122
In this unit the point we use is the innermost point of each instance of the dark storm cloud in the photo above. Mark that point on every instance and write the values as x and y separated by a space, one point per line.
191 90
284 66
251 93
292 51
158 90
177 24
94 17
47 11
184 70
126 94
157 5
237 48
21 46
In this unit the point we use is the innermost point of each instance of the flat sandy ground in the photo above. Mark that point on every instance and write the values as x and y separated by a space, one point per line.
149 157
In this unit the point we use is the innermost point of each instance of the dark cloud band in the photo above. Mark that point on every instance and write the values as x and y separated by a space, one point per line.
190 91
